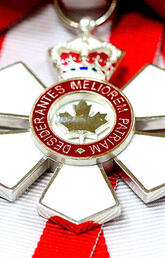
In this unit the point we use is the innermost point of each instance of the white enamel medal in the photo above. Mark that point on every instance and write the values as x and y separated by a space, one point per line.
80 124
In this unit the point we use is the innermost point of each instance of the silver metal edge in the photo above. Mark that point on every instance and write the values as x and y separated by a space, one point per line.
100 217
30 71
13 121
150 123
11 194
146 195
40 82
13 131
141 70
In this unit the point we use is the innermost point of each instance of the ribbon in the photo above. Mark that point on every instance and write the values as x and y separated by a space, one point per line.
58 242
12 11
140 38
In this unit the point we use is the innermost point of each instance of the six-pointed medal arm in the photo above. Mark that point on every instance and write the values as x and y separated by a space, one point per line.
141 163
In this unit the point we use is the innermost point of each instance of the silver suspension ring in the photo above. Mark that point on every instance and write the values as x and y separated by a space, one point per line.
75 24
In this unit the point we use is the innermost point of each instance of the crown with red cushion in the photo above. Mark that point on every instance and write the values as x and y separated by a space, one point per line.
87 57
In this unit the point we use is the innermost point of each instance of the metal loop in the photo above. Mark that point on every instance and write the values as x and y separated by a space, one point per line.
75 24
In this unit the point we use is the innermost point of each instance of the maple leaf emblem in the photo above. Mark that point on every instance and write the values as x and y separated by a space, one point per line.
82 121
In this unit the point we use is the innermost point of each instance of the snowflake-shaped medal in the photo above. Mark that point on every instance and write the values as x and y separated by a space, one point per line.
81 124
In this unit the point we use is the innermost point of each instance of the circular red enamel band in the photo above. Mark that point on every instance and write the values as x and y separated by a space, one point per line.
44 134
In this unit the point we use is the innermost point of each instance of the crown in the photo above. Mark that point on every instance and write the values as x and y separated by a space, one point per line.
86 56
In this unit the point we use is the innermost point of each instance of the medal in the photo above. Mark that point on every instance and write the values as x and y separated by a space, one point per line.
81 125
82 122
